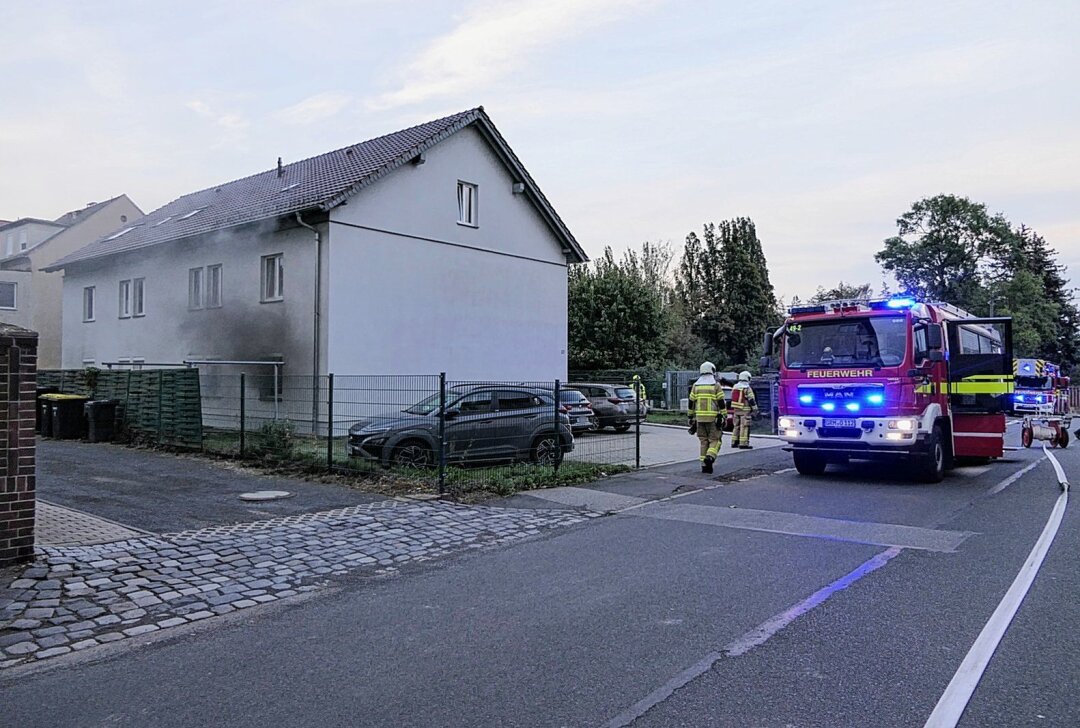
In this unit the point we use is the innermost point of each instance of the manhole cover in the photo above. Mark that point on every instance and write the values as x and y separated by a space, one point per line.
265 495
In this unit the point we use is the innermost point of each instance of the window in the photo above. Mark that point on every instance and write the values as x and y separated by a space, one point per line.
519 400
186 215
22 240
7 295
273 273
195 288
10 240
125 299
213 286
88 303
474 403
466 203
922 345
138 307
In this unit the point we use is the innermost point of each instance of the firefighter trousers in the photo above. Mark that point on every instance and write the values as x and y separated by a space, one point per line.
708 434
740 434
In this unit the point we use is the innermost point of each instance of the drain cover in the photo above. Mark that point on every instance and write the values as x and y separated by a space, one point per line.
265 495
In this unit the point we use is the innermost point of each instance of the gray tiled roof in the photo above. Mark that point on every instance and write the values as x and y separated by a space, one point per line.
321 182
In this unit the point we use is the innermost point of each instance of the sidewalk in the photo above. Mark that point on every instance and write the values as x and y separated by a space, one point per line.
76 597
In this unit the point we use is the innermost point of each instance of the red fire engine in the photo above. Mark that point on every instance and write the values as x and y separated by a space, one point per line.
893 380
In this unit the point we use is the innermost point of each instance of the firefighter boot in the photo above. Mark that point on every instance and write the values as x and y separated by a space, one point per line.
706 467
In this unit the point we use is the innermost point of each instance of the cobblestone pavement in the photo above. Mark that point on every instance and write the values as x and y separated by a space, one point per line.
76 597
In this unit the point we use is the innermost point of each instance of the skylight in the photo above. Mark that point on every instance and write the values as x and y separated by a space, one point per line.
125 231
193 213
163 220
293 186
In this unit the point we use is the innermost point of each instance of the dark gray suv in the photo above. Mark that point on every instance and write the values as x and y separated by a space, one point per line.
489 423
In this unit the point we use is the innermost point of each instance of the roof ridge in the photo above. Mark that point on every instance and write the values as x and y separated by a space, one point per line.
285 167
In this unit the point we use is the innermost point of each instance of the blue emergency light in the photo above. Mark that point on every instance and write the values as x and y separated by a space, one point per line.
876 398
900 302
828 406
806 398
852 406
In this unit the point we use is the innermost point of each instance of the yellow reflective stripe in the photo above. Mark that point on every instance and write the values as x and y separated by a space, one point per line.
975 384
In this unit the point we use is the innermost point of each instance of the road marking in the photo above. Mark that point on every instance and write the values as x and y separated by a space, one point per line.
1014 477
759 635
794 524
754 638
955 699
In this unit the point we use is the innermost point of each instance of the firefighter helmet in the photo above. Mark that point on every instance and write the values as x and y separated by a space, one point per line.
707 368
744 377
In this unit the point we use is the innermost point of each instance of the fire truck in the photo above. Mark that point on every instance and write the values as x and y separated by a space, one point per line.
1040 388
893 380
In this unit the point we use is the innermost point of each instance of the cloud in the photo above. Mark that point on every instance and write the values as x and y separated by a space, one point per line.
229 121
314 108
493 40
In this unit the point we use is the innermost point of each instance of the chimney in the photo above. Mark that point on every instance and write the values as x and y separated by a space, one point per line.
280 171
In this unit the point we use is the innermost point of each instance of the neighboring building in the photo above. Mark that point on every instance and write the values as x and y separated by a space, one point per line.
430 249
32 298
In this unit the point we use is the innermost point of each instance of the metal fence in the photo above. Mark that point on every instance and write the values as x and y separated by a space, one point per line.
456 435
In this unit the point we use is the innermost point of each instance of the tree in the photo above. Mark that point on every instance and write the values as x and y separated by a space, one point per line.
616 318
843 292
942 247
723 288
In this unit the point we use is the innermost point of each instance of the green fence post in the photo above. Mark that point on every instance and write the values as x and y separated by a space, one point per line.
243 418
330 421
637 425
558 432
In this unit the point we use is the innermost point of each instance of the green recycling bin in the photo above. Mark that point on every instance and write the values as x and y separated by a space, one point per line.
101 420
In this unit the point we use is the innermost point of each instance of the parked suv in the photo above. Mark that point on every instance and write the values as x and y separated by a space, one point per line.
614 404
579 409
481 423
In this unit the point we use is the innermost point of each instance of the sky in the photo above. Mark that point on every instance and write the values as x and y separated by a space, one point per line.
640 119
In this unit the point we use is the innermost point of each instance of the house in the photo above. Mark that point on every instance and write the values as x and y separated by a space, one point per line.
427 250
31 297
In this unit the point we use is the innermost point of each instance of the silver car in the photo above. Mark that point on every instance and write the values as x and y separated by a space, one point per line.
615 405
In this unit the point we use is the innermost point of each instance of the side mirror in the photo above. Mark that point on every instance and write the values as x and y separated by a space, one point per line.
451 413
766 345
936 355
766 363
934 339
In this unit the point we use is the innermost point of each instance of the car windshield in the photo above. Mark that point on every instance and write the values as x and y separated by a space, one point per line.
572 395
1033 382
425 406
871 341
624 393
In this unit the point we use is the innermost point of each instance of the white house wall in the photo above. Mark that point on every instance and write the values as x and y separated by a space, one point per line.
412 291
243 328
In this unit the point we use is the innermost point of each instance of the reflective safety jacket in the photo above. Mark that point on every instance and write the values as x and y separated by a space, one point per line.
742 398
707 401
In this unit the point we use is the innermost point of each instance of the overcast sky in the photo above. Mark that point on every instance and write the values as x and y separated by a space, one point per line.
640 119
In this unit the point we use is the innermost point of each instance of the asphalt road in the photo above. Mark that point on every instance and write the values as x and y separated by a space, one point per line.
594 625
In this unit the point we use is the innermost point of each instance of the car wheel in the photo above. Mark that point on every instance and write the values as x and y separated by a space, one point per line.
412 455
808 463
623 427
931 464
545 450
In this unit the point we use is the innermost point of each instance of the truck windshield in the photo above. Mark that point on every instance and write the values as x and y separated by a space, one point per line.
878 341
1033 382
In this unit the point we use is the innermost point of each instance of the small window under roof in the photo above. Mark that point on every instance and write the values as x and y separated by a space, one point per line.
163 220
293 186
193 213
125 231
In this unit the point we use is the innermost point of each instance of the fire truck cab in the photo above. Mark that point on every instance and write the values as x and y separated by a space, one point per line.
892 380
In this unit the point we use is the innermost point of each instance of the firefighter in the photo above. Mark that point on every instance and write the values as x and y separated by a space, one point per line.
707 408
743 405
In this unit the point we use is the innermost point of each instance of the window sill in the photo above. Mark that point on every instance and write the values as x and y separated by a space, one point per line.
468 224
272 300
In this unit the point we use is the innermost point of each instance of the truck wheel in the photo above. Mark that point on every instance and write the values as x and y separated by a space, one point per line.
1063 438
808 463
931 464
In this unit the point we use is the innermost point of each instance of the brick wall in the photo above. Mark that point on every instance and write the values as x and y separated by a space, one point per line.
18 373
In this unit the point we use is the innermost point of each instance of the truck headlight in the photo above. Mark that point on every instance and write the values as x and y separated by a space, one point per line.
786 423
905 425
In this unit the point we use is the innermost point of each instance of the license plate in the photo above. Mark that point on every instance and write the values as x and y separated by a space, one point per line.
838 422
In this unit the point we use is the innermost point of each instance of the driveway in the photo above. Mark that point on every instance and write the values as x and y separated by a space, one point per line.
660 445
163 493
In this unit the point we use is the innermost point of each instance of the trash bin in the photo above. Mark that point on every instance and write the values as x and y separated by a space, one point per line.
43 421
68 420
101 420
